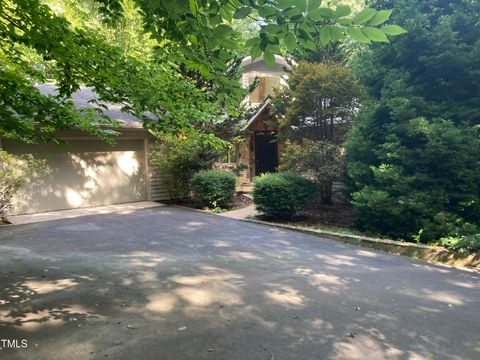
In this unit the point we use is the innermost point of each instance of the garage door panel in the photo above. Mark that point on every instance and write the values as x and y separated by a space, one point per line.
87 173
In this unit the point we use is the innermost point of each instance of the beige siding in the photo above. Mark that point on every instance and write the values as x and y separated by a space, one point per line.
87 173
269 78
157 191
266 87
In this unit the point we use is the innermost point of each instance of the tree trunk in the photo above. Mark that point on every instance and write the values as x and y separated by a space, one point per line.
326 193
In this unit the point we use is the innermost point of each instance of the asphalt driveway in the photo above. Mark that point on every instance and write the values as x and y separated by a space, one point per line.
169 283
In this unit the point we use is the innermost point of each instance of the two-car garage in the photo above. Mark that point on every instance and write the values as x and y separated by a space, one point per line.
88 172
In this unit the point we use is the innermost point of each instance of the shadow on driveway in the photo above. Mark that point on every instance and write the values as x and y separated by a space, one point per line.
169 283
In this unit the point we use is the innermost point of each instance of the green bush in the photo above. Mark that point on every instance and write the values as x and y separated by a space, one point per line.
462 244
214 188
282 195
176 159
15 172
321 161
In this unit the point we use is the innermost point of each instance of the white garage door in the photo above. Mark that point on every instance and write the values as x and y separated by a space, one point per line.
87 173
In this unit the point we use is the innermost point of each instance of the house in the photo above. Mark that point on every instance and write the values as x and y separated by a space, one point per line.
89 172
260 151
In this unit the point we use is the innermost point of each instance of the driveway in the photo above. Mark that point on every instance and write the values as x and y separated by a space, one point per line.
169 283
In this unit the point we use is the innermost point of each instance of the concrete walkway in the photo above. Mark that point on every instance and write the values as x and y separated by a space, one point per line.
170 283
244 213
124 208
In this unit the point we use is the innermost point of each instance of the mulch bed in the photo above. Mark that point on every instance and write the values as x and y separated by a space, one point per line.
239 202
316 214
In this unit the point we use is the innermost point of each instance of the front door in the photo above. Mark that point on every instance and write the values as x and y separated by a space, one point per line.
266 152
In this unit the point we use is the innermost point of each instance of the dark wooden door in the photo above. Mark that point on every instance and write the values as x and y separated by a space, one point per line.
266 152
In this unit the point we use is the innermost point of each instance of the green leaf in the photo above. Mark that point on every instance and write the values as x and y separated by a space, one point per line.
345 21
363 16
242 12
313 4
255 52
213 9
272 28
215 20
228 43
227 12
342 10
393 30
252 42
267 11
325 36
222 30
301 5
375 34
292 13
269 58
321 13
336 33
357 35
309 44
307 27
380 17
290 41
285 4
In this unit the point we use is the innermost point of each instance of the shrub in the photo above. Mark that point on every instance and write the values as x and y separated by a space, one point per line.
176 159
420 181
214 188
15 172
282 195
321 161
462 244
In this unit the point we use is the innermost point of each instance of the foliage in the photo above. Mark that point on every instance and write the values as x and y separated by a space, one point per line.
320 161
463 244
412 157
177 158
335 51
281 195
15 172
204 28
158 94
318 97
127 33
214 188
195 40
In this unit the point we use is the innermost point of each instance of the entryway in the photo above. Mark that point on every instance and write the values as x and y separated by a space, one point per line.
266 152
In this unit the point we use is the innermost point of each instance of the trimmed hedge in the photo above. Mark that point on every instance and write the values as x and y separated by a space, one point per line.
214 188
281 195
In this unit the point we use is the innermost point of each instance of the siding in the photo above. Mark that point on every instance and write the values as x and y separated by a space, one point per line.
157 191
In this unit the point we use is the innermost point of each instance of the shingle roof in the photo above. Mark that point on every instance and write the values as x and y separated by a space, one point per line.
82 98
259 111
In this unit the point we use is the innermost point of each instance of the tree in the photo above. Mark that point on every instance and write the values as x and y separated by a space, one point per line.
317 99
15 172
195 35
315 107
159 95
339 51
412 156
320 161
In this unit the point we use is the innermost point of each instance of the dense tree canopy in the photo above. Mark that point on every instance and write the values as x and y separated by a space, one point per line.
317 97
191 36
413 161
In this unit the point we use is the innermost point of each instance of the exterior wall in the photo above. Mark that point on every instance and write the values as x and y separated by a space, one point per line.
270 78
87 173
246 149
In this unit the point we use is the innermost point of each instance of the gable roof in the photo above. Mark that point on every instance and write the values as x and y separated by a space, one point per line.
259 111
82 100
